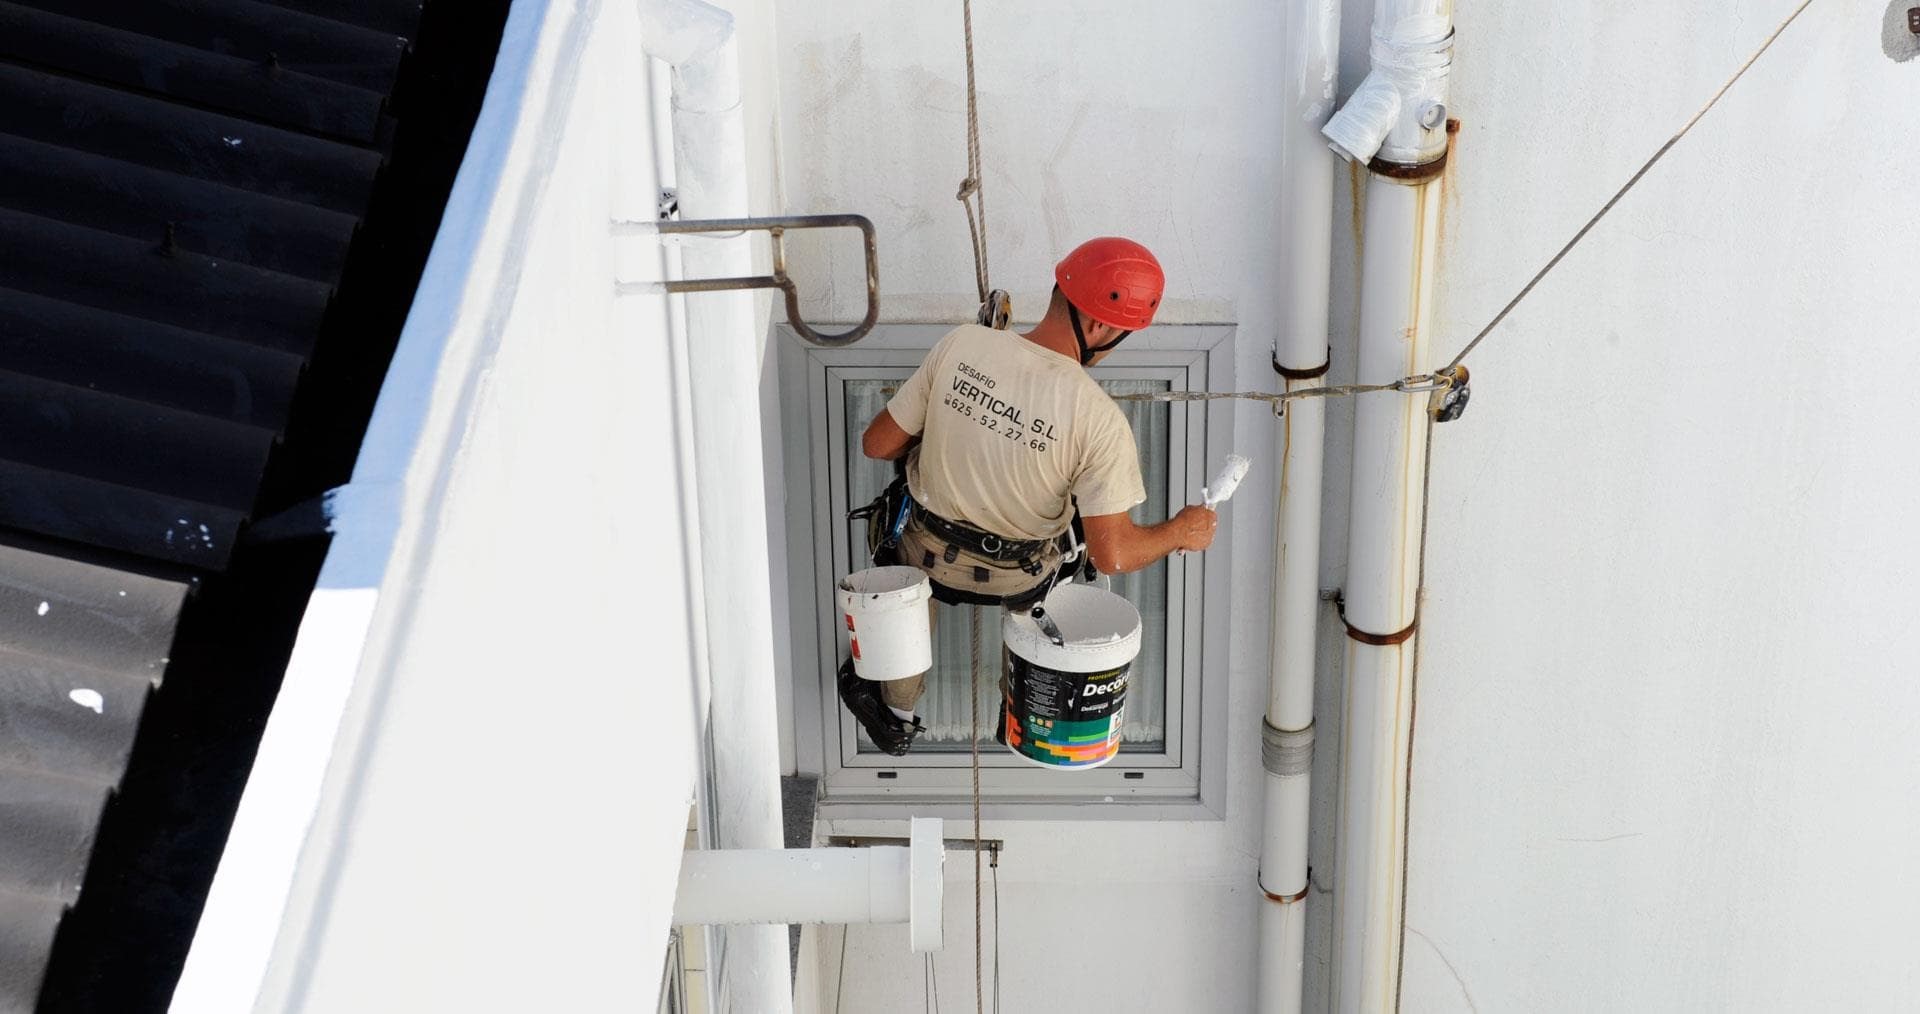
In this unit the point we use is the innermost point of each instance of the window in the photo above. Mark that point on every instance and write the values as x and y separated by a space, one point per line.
827 398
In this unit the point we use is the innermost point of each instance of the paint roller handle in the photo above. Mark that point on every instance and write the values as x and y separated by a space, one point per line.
1047 626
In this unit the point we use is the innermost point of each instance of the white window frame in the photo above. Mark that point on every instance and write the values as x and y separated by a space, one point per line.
1185 782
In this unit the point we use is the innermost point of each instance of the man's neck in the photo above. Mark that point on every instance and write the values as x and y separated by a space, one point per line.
1055 334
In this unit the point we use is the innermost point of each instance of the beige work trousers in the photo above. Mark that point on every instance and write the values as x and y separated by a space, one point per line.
1003 580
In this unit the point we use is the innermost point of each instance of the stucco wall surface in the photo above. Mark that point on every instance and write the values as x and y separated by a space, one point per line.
1665 755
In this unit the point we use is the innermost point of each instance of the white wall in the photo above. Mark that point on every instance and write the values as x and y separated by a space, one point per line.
498 822
1665 754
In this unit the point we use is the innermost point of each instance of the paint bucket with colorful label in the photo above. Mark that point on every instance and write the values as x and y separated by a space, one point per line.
1066 686
885 612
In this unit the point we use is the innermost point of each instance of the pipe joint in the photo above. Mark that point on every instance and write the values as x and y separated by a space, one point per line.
1286 754
1399 112
825 885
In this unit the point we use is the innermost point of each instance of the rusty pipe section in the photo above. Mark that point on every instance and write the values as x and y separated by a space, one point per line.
1383 587
1381 602
1308 52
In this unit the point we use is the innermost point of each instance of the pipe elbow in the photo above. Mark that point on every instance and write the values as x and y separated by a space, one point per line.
1399 111
681 31
1360 127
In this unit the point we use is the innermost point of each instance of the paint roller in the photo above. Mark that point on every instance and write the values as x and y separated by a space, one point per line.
1215 493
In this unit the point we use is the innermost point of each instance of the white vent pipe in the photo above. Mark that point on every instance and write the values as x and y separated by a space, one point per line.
740 800
1413 44
879 884
1309 49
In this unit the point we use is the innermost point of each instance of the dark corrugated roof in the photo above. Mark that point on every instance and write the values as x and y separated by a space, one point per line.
84 646
180 182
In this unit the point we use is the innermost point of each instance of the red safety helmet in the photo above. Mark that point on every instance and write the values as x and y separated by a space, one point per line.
1115 281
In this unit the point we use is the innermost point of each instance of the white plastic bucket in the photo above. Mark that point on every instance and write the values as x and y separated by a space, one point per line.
1065 702
885 610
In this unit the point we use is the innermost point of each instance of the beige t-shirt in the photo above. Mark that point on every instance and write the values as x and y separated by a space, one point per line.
1010 433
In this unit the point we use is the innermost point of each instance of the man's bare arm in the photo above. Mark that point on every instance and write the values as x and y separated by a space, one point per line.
884 439
1118 546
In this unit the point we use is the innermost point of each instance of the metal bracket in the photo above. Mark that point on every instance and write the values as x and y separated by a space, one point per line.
861 841
997 311
776 228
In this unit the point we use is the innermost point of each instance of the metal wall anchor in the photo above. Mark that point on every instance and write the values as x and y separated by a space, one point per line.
997 311
1450 402
776 228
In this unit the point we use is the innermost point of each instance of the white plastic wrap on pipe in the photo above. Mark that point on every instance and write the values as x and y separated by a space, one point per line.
742 807
880 884
1399 110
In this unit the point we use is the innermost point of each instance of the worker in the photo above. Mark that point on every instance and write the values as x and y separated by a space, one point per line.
1004 436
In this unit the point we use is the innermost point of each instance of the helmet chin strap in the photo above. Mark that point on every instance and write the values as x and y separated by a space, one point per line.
1080 337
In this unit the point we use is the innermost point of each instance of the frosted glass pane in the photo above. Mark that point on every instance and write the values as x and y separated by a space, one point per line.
944 709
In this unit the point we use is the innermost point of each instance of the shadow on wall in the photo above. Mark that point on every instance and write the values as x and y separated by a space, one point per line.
1900 31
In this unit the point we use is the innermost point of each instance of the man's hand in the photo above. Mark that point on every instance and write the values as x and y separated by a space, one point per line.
1119 546
1194 527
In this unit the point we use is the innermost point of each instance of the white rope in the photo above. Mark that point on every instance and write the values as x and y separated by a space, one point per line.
970 196
996 931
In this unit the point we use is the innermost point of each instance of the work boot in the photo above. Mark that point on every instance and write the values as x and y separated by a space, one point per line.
887 730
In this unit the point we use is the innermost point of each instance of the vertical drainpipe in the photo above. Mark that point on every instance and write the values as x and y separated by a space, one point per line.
1396 123
1309 67
740 744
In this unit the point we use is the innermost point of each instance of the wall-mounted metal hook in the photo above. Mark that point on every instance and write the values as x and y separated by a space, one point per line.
776 228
